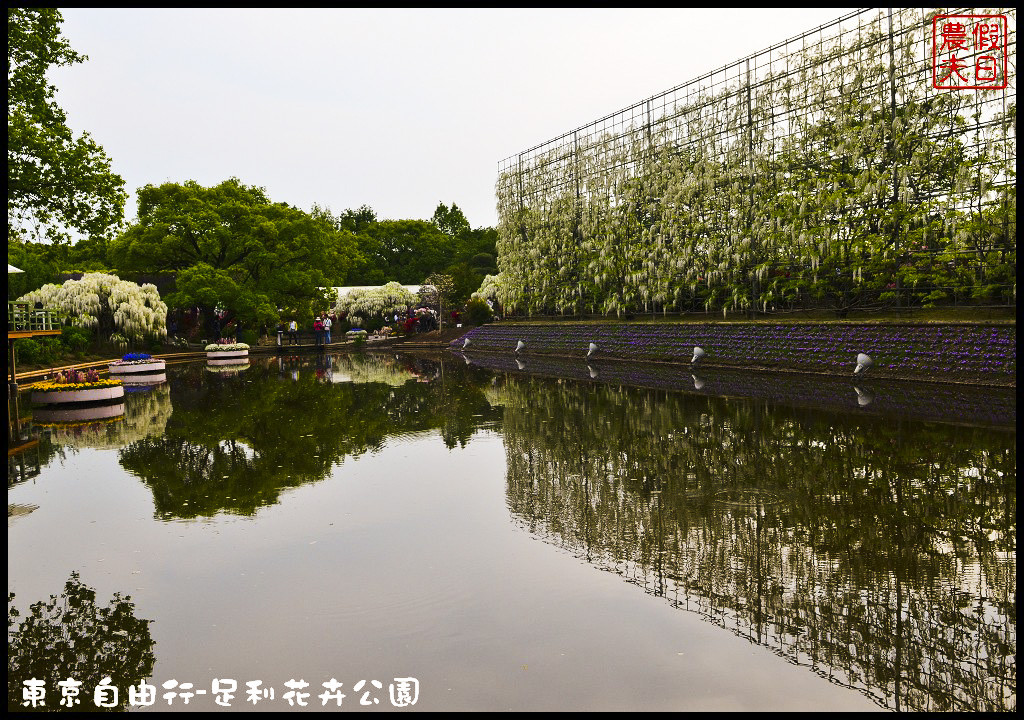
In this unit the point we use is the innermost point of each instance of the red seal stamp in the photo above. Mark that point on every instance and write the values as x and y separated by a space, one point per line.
969 52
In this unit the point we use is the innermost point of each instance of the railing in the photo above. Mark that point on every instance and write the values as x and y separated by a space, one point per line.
22 317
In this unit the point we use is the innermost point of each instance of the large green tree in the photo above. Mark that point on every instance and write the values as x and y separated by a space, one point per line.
402 250
230 246
450 220
407 251
58 185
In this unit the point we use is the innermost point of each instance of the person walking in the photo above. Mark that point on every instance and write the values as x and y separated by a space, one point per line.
327 329
293 332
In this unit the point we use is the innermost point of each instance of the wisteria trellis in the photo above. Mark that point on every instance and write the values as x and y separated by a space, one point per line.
99 300
824 171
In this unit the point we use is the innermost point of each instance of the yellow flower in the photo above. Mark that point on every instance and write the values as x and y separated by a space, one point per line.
50 386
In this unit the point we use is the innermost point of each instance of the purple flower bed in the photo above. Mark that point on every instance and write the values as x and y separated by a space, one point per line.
960 352
992 406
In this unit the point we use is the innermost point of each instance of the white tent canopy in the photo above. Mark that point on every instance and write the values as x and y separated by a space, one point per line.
343 291
12 269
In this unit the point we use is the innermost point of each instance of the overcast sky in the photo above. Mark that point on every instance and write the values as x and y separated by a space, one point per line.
395 109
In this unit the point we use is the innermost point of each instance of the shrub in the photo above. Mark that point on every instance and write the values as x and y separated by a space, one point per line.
44 351
75 339
478 312
248 337
27 350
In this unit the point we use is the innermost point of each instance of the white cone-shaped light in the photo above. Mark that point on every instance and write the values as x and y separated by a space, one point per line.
698 353
593 372
863 363
697 382
592 350
465 343
520 364
520 346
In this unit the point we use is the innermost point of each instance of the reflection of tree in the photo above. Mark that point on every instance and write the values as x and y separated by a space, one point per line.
145 415
370 368
234 443
880 553
72 637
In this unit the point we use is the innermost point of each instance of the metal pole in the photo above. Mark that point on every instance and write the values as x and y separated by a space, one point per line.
754 285
895 179
12 385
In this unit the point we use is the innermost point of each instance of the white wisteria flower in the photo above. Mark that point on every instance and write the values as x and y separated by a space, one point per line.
133 311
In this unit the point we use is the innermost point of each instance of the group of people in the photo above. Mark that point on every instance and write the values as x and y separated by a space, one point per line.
321 329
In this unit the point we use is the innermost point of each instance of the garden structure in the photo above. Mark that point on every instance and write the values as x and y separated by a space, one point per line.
26 321
840 169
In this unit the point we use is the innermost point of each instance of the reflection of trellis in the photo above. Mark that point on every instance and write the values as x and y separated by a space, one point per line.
860 608
709 182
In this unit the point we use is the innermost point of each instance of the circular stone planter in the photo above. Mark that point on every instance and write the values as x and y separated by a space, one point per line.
148 367
98 412
227 354
78 396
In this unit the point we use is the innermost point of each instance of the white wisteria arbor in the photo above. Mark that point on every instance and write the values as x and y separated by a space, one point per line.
365 302
108 304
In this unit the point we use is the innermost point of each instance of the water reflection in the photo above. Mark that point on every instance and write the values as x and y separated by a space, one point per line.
24 453
73 637
144 414
233 443
944 402
870 544
881 554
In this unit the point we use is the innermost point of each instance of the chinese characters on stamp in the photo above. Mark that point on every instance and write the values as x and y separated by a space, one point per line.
969 52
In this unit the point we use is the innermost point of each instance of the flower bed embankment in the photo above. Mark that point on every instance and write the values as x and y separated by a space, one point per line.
976 353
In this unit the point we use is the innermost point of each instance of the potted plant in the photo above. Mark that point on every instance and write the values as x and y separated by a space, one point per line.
76 386
136 364
227 352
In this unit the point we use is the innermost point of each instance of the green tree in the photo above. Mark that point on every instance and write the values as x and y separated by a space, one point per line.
56 183
402 250
39 262
450 220
358 220
231 246
465 281
444 288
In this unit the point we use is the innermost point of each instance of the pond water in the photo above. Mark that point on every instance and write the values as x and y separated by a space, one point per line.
483 538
